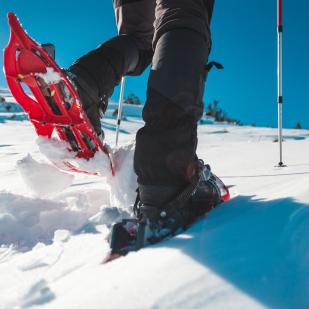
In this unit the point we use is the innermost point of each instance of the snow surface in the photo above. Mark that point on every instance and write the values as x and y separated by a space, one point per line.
35 173
251 252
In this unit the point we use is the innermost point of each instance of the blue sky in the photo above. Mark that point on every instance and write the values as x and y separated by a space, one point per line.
244 41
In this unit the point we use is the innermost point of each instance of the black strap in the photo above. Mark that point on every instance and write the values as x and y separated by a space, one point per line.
136 208
181 200
212 64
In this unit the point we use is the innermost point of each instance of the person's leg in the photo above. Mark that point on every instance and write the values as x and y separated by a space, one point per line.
98 72
165 159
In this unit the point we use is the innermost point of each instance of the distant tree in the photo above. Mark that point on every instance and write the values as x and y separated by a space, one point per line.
298 126
213 110
132 99
8 107
115 112
216 103
209 111
2 99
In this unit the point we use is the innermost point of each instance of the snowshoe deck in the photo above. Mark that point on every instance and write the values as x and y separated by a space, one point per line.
54 106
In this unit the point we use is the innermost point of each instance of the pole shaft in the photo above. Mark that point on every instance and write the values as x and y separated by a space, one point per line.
279 77
120 105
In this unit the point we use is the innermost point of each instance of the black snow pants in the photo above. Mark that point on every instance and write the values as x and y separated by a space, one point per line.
174 35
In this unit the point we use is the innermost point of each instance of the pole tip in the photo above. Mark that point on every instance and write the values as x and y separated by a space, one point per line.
281 164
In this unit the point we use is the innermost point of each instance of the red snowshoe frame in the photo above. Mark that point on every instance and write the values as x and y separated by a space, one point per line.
54 106
225 193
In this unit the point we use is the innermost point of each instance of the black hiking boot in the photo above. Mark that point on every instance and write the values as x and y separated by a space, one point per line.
166 209
92 102
161 211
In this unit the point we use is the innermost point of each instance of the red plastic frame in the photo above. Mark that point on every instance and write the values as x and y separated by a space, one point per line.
225 192
23 59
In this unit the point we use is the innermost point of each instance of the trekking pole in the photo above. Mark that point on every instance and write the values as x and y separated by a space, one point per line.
120 104
279 64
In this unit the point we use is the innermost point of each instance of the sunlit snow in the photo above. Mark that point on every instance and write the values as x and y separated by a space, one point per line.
251 252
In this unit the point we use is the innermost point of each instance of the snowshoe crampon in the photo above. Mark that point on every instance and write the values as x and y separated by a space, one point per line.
126 236
54 106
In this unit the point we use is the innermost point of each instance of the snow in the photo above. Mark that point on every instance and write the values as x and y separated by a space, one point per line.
35 173
124 184
56 152
50 77
128 110
251 252
27 221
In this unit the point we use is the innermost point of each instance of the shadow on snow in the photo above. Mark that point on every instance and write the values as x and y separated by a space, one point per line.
259 246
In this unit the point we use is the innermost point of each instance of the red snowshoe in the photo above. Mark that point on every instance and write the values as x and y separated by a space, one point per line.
54 106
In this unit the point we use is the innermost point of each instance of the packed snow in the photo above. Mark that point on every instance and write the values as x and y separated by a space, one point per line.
251 252
50 76
56 151
35 173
